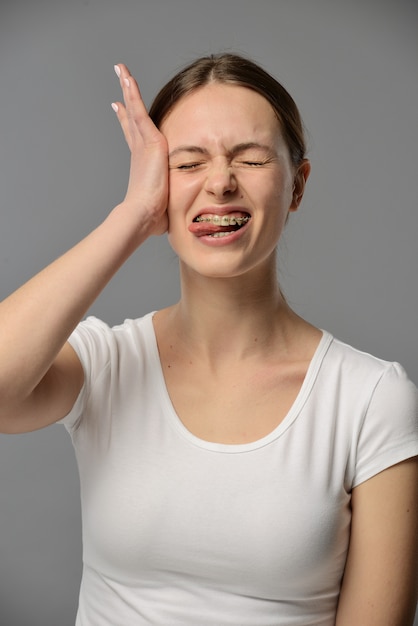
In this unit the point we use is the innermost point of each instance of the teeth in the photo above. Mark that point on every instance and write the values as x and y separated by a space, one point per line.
221 234
223 220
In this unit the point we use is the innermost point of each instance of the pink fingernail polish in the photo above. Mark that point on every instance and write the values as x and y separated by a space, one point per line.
115 107
117 70
127 83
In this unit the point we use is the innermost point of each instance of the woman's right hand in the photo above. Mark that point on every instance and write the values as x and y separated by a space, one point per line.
147 191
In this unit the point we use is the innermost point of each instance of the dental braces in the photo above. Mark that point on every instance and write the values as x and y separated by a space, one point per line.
224 220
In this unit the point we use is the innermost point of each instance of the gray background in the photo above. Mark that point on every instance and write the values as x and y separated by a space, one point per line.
349 257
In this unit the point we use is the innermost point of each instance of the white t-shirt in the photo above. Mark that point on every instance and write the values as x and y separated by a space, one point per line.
180 531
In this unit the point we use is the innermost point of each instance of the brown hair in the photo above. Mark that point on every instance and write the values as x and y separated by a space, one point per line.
238 70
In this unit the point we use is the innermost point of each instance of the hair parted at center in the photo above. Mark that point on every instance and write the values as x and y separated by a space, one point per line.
235 69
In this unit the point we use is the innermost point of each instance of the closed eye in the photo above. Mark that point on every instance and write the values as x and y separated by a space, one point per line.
250 163
187 166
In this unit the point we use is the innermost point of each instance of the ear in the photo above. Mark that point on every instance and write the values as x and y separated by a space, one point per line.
299 184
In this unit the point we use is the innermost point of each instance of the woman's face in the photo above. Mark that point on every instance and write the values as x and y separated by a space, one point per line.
232 183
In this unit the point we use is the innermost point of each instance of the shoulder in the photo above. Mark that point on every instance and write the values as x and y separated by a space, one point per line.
383 387
379 404
112 357
100 346
350 355
93 330
365 371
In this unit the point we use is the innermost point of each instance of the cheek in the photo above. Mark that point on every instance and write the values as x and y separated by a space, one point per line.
274 197
281 192
277 203
182 191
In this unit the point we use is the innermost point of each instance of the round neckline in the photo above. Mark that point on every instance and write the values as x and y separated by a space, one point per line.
175 421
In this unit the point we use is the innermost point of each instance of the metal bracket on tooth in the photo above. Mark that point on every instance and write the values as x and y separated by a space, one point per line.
224 220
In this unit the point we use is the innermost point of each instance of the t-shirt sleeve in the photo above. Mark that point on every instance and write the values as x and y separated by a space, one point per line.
92 341
389 433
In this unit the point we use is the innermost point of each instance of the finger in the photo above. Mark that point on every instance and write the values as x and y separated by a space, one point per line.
122 116
121 71
120 109
130 89
135 107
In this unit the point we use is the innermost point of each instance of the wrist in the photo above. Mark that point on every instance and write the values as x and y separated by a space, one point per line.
134 225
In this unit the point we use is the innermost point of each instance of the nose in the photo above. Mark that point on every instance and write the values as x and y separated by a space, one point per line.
220 181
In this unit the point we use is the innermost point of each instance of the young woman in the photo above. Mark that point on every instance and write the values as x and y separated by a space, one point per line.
237 464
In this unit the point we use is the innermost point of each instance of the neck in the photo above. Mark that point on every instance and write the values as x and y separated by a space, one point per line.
239 316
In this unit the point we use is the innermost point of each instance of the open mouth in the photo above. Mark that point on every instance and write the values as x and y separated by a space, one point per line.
223 220
213 225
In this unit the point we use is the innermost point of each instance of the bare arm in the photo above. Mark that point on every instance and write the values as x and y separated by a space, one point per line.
40 374
381 576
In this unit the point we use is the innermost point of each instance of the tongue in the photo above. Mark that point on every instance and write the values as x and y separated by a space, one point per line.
207 228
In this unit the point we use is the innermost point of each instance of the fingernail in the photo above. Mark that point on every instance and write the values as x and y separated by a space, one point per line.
126 81
117 70
115 107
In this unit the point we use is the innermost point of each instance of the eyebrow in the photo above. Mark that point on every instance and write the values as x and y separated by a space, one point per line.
238 149
191 149
251 145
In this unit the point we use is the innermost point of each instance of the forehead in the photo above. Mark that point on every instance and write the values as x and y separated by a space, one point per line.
222 109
